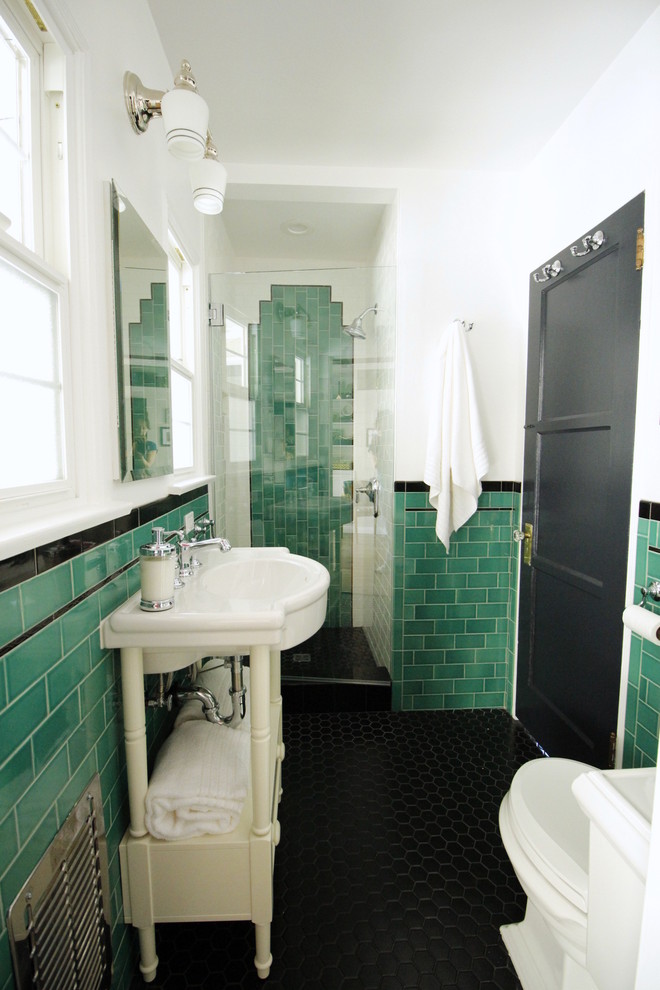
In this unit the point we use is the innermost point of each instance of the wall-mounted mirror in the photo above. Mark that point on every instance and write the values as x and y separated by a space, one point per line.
142 344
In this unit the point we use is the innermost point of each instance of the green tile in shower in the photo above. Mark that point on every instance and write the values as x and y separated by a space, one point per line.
293 503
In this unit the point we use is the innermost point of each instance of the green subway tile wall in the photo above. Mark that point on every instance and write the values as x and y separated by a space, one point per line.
60 709
454 613
301 382
642 731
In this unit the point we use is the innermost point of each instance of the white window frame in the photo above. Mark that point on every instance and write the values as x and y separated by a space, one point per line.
239 408
28 264
183 365
237 320
40 244
34 233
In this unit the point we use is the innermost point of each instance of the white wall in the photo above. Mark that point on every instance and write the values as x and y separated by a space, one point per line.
109 41
458 247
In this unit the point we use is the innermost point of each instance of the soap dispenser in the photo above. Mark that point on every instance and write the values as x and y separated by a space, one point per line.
157 567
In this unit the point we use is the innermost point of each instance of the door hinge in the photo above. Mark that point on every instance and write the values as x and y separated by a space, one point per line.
611 751
639 250
216 315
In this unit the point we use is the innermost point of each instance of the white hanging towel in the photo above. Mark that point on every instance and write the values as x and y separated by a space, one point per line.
200 781
456 457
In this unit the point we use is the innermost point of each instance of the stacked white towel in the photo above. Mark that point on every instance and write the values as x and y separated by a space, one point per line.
200 781
456 457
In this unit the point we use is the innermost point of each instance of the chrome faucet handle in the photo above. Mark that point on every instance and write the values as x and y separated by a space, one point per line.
371 490
205 525
181 546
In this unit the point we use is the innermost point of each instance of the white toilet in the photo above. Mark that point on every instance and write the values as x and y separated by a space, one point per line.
578 841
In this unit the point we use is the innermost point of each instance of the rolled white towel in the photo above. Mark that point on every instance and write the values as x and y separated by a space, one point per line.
199 783
217 680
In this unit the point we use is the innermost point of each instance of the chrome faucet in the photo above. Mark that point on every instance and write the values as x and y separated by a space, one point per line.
215 541
371 489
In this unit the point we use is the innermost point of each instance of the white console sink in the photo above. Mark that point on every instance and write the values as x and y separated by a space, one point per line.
248 597
248 600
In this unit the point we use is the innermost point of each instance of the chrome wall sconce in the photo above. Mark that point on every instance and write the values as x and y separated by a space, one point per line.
186 119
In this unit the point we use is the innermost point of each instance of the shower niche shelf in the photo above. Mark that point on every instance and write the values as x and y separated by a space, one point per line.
342 447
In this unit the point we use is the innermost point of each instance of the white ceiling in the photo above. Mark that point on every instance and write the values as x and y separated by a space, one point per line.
451 84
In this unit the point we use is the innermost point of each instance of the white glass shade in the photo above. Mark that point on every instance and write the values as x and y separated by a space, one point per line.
186 120
208 179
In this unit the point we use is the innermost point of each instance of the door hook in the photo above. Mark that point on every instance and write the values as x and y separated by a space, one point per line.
549 271
590 243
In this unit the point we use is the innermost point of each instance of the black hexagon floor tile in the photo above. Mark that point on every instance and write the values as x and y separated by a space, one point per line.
390 872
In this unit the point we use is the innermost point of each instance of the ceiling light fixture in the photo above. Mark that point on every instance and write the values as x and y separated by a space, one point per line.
296 227
186 118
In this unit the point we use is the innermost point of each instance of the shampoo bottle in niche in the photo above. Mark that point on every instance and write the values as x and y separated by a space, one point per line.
157 562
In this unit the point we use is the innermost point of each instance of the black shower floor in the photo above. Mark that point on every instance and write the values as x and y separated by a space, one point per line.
338 654
390 873
334 671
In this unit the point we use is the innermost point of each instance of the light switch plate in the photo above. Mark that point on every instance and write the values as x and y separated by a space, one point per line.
188 522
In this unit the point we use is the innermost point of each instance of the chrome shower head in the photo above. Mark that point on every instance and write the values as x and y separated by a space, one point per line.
354 329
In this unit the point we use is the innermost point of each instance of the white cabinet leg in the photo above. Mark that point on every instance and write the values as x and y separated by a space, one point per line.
260 743
148 957
263 959
135 735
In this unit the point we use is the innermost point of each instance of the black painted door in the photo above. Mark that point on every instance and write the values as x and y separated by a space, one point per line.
579 428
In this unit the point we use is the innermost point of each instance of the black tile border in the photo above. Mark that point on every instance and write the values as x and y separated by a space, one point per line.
486 486
649 510
23 566
33 630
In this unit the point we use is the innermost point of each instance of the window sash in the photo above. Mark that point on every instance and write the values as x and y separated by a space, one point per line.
20 130
183 438
35 452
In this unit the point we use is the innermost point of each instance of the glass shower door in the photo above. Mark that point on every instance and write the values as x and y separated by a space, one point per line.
301 417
